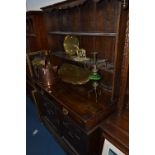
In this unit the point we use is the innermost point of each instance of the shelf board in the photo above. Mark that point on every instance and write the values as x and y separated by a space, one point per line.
62 55
31 35
83 33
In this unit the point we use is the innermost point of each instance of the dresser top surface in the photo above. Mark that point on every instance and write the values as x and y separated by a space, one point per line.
76 100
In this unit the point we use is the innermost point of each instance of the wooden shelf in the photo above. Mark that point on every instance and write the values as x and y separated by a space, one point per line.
62 55
83 33
31 35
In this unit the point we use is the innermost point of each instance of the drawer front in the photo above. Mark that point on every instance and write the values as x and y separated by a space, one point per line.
73 134
52 112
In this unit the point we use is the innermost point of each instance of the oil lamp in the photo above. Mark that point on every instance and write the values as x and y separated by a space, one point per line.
94 77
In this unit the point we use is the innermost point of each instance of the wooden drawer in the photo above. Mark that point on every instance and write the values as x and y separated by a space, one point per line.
61 121
52 113
74 135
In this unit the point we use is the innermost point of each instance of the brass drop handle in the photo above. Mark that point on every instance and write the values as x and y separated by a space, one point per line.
65 111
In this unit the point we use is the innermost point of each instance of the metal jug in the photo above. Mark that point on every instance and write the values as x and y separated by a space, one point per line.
46 74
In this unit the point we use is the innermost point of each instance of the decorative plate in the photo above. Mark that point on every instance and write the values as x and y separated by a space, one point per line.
71 45
73 74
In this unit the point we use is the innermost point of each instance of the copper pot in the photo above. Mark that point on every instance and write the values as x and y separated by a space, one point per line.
46 74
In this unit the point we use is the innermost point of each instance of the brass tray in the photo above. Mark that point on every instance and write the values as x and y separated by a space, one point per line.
71 45
73 74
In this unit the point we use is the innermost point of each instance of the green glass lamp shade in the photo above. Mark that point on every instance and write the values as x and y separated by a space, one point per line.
94 77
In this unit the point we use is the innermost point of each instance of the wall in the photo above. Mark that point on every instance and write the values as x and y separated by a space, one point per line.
37 4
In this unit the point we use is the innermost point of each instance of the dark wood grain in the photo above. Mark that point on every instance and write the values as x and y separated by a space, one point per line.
119 48
29 87
95 23
36 38
106 16
82 108
87 12
79 126
100 26
124 86
116 130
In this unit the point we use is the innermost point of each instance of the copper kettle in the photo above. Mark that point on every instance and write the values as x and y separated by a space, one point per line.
46 74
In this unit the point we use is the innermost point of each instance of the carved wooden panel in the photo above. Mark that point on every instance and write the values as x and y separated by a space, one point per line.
88 17
106 12
124 71
119 49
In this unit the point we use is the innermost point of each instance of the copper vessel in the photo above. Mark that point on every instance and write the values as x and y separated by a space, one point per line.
46 74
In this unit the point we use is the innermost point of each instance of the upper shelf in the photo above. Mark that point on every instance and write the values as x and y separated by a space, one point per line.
83 33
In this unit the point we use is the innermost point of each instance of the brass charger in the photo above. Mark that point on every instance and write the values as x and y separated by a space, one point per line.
71 45
73 74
